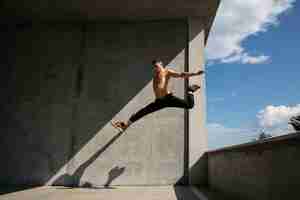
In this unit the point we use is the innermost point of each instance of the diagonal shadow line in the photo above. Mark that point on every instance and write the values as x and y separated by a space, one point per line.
144 55
76 176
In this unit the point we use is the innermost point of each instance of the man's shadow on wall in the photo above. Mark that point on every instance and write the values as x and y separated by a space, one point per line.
74 179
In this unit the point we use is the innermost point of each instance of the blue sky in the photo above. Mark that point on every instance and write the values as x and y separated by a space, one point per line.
253 80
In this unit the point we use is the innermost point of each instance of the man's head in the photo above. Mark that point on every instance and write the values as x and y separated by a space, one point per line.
157 63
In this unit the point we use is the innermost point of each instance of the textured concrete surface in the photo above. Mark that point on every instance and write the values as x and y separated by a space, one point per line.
196 121
38 74
63 83
69 67
117 83
66 10
257 171
130 193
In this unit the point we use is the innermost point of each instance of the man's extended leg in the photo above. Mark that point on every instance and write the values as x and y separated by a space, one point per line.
177 102
167 101
187 103
152 107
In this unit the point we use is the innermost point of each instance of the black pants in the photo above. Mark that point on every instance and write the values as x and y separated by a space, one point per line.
167 101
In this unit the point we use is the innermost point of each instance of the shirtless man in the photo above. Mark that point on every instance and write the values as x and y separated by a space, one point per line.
164 98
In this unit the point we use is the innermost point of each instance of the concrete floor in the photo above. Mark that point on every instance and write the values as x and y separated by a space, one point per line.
130 193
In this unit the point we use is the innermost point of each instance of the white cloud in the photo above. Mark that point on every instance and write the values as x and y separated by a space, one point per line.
245 58
274 119
219 128
236 20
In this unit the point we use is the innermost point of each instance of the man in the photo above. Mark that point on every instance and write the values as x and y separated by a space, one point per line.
164 98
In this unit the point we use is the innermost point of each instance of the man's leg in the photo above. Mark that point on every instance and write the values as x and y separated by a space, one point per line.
150 108
187 103
177 102
168 101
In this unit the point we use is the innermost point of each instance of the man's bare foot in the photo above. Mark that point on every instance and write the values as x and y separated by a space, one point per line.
121 126
193 88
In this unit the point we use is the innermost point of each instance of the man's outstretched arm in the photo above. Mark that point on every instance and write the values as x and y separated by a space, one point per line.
175 74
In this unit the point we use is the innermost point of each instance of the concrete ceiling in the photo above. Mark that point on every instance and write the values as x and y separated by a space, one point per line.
74 10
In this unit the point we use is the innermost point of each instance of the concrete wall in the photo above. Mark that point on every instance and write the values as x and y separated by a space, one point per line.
118 82
257 171
63 83
36 107
109 10
197 116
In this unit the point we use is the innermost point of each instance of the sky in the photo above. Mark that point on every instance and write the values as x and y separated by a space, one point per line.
253 71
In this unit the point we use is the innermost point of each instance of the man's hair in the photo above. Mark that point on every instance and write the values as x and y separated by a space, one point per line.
155 61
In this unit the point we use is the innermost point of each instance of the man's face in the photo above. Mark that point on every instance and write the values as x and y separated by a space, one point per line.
158 64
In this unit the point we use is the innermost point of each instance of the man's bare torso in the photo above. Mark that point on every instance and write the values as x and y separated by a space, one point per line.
160 83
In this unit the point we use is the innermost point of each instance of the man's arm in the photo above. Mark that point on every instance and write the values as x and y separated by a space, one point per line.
175 74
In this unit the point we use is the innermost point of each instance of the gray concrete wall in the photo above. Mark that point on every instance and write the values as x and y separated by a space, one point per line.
63 83
36 109
107 10
257 171
197 116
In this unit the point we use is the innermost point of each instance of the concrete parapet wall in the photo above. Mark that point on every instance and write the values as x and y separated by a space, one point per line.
263 170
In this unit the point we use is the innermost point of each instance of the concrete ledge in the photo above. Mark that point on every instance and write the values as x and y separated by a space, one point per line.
266 143
113 193
88 10
267 169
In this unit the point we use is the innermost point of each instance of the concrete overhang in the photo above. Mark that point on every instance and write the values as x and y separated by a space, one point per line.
112 10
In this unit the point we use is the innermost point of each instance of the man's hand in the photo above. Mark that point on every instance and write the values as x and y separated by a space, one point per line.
175 74
187 74
200 72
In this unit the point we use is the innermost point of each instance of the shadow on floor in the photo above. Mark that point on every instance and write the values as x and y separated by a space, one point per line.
199 193
5 189
185 193
74 179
